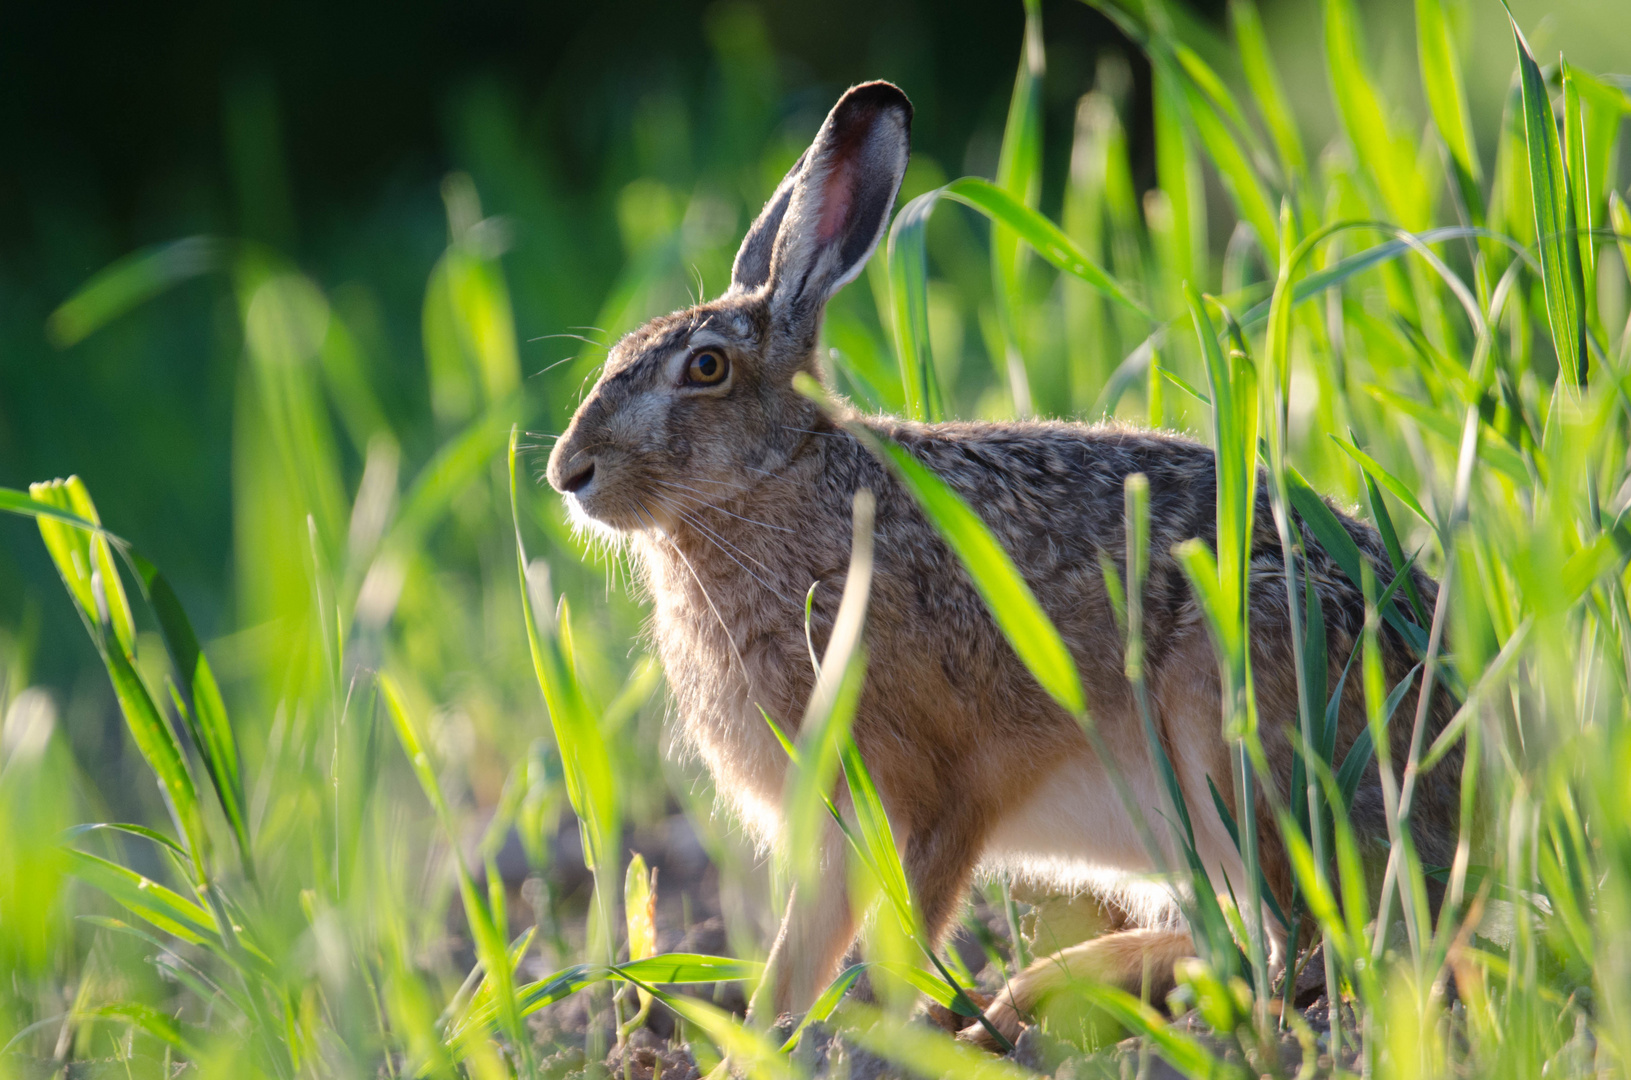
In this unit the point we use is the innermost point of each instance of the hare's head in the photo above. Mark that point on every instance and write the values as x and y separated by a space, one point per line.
700 405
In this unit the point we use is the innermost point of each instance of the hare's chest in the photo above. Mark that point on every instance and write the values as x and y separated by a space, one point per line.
725 682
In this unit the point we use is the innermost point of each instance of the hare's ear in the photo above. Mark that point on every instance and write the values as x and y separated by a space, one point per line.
832 208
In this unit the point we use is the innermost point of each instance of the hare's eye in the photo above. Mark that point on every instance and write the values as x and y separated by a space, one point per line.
707 368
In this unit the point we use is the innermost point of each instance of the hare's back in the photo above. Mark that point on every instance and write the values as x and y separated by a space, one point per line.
1052 491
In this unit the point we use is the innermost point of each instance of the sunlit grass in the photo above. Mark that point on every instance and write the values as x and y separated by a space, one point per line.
1430 325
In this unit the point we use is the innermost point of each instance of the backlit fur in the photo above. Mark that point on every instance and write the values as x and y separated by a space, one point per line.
735 502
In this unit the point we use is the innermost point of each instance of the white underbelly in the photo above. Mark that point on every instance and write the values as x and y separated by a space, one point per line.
1074 834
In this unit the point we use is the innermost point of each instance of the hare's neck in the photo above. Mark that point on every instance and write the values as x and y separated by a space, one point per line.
752 553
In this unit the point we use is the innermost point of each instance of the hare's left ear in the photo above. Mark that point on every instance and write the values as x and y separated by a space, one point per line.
831 209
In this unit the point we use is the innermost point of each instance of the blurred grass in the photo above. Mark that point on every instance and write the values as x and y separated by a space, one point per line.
1397 254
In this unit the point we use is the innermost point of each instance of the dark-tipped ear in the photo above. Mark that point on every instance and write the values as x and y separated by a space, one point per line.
752 266
837 202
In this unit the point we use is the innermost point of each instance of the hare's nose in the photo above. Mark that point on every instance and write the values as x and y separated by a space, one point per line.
579 480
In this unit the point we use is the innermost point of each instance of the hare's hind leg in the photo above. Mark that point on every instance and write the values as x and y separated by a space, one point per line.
1132 960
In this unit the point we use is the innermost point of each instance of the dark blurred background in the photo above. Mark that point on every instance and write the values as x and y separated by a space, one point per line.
325 130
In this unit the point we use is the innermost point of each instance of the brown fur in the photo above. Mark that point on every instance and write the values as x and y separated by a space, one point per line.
737 497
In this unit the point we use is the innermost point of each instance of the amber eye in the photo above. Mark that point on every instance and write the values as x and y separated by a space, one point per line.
707 368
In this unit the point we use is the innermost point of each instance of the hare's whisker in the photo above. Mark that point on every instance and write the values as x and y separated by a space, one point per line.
725 547
721 509
696 523
813 431
710 600
558 363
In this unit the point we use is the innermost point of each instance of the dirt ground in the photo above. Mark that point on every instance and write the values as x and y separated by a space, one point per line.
691 917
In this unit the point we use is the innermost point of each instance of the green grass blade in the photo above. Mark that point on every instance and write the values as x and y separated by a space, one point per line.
677 968
160 750
825 729
134 830
1376 471
1240 179
1447 100
1576 167
1186 1053
908 258
1019 175
1619 220
489 938
204 710
1048 239
590 783
163 908
1010 600
1233 830
1359 755
1266 88
1390 158
1341 547
1493 450
162 1026
878 839
819 1012
1554 217
85 560
920 1049
13 501
1395 551
132 281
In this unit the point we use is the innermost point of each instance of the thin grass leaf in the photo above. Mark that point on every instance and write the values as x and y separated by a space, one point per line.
1245 187
1493 449
1447 100
1619 220
908 260
1376 471
908 274
1359 755
162 1026
749 1050
1336 541
1019 175
1390 157
1234 834
590 783
825 729
1576 167
921 1049
1182 1051
488 937
132 281
134 830
1554 217
1266 88
164 908
824 1005
16 502
1010 600
1402 566
172 964
877 838
1044 236
204 710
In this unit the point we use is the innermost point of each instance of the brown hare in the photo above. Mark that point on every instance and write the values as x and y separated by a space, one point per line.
735 492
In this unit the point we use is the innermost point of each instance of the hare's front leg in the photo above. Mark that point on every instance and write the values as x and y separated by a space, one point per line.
816 930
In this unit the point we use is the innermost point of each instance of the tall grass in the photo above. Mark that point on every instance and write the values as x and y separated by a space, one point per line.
1430 326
